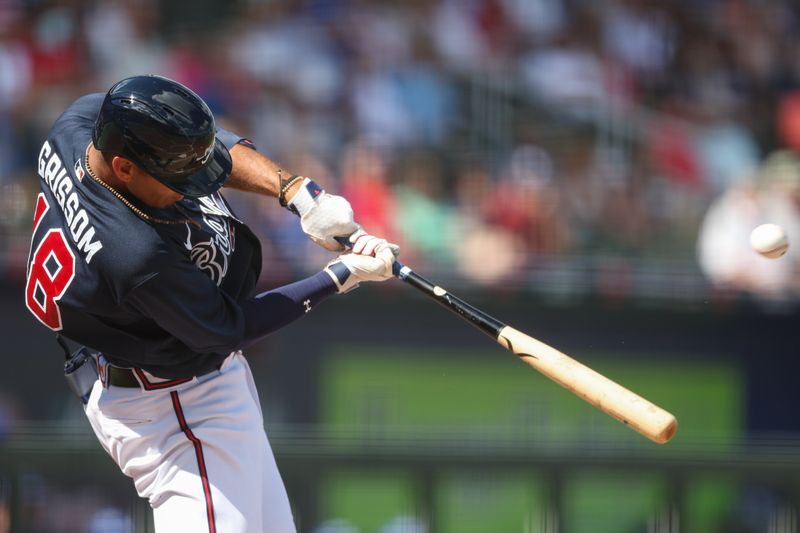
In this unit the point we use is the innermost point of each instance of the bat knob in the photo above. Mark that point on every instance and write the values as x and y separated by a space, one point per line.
344 241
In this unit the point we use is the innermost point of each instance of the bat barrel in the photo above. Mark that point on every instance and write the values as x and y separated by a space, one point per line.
610 397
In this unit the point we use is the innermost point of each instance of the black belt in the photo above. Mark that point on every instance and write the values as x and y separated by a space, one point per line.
121 377
126 377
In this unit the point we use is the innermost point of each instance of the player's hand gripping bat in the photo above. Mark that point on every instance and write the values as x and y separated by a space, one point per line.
613 399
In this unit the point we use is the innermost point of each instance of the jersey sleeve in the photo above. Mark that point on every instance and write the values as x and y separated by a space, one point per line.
231 139
276 308
187 304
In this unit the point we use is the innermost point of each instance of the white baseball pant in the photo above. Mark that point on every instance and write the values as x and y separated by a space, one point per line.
197 451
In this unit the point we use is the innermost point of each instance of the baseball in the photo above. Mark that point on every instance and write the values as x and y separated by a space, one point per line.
769 240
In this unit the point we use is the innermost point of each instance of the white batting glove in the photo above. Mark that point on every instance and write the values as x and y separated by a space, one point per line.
350 269
323 216
366 244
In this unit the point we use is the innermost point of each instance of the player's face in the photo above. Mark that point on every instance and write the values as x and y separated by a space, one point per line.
151 191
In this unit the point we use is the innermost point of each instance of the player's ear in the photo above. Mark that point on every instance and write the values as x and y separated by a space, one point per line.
123 168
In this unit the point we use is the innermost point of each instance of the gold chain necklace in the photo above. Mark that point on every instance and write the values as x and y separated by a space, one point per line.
138 212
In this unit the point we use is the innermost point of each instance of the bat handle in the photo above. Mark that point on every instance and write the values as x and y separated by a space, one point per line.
398 269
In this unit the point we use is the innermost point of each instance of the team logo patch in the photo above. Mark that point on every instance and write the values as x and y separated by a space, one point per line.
79 172
313 189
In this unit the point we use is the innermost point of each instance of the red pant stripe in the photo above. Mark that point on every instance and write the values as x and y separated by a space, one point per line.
201 464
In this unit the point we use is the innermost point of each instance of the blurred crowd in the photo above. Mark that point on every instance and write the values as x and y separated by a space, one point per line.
485 136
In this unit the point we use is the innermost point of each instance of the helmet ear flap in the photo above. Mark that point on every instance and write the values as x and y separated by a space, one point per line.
167 130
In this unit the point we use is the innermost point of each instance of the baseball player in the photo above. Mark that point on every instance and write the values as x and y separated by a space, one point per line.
136 254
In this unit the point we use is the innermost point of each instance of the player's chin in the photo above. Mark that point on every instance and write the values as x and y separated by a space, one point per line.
167 200
156 194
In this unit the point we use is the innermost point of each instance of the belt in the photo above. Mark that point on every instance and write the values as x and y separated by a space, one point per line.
121 377
137 378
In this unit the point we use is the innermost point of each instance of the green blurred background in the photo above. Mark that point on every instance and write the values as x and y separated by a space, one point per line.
586 171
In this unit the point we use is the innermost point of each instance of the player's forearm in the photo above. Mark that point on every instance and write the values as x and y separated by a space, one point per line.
274 309
323 216
254 172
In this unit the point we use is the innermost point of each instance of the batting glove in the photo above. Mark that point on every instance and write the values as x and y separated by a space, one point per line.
371 259
365 244
323 216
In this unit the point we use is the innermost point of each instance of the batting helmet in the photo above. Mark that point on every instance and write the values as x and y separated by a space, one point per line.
167 130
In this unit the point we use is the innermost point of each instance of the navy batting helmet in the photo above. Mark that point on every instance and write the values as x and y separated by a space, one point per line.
167 130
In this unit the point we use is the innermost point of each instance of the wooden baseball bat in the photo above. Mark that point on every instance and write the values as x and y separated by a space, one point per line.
613 399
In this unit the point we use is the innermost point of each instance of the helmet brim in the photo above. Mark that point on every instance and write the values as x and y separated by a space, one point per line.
207 180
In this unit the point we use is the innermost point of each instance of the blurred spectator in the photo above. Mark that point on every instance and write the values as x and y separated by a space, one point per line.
470 35
379 34
426 96
485 253
425 222
56 45
566 75
365 183
788 120
124 40
16 78
378 107
307 69
623 226
402 104
672 149
525 202
639 35
538 20
488 254
296 81
727 153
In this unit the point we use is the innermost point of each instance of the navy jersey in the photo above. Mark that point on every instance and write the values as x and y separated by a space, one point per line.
163 296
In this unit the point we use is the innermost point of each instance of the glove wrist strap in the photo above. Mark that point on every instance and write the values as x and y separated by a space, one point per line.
305 198
339 273
285 186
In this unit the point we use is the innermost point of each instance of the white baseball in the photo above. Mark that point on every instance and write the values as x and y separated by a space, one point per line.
769 240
